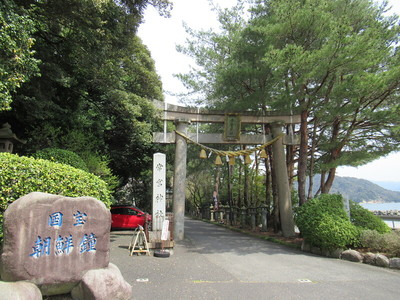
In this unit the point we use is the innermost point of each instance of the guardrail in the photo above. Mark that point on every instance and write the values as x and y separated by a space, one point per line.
392 220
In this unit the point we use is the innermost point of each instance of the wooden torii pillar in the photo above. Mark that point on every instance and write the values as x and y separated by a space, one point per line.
180 180
183 116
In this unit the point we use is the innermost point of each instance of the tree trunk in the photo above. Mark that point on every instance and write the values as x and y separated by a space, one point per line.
334 155
329 182
255 176
303 153
240 183
246 185
321 183
268 189
230 199
312 160
274 190
217 184
290 153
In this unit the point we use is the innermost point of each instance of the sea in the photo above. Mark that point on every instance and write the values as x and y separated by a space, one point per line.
381 206
395 223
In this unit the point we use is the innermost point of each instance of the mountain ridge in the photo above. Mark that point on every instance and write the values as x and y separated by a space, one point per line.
389 185
360 190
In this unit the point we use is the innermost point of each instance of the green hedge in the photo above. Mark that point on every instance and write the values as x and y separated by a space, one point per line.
365 219
62 156
324 223
388 242
22 175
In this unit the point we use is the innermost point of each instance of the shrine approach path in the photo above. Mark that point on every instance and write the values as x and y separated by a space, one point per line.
215 263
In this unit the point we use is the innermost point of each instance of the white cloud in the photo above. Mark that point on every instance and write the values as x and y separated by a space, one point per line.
384 169
162 35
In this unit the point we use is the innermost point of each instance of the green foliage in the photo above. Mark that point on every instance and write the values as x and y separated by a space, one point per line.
336 61
99 165
324 223
294 196
62 156
372 239
388 243
365 219
1 226
332 232
17 63
80 152
93 95
199 189
22 175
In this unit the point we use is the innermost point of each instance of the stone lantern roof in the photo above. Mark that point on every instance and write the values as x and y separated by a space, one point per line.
7 138
6 133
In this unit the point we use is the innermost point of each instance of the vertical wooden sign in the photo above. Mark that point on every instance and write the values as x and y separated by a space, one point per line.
232 127
159 178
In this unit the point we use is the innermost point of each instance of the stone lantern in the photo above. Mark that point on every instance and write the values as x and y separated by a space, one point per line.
7 138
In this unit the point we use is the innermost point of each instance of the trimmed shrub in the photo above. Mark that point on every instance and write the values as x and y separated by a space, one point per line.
365 219
62 156
333 232
324 223
22 175
372 239
86 161
388 243
393 243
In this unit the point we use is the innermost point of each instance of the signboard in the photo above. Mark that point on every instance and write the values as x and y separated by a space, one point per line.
232 127
159 184
164 232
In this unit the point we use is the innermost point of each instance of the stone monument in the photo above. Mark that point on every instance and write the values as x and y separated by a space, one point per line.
53 241
159 201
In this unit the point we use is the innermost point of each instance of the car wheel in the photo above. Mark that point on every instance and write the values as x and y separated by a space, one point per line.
161 253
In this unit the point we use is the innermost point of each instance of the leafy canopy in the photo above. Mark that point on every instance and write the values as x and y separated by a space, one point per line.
17 61
97 80
336 62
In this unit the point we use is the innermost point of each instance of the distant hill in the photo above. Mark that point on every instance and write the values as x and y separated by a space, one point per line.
389 185
360 190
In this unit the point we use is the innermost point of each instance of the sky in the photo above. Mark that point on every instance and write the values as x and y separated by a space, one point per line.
162 35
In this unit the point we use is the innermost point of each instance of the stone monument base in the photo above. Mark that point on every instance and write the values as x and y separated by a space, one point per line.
98 284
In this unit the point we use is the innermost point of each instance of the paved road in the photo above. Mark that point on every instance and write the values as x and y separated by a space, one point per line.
215 263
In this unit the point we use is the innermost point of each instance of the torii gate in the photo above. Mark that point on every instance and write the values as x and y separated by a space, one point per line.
183 116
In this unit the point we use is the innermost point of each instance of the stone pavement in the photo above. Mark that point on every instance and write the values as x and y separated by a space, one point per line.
216 263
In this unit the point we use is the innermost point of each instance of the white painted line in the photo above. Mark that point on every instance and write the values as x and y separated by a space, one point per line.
304 280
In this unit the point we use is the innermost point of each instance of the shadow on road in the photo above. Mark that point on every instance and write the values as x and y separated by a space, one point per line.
201 237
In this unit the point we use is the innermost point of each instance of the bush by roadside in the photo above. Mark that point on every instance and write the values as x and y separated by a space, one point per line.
62 156
86 161
388 243
324 223
365 219
22 175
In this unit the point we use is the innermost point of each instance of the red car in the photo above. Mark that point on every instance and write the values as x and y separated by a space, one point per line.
128 217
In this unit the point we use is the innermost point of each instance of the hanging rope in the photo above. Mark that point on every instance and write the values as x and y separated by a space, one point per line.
230 153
